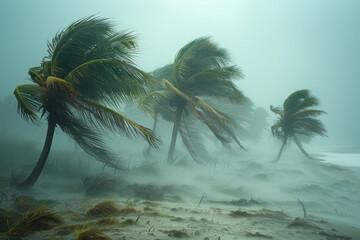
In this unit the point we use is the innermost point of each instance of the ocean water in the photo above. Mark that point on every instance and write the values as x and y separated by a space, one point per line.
342 159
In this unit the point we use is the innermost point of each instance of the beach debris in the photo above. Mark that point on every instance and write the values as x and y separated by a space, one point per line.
303 207
259 235
240 202
261 213
202 197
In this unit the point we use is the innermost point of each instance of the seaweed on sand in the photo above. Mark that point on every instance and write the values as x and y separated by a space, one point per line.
90 233
261 213
103 209
108 208
39 219
177 233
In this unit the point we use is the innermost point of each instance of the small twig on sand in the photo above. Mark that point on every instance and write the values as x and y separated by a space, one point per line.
303 207
202 197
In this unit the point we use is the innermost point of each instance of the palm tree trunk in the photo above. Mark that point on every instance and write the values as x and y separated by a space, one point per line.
34 175
280 152
170 158
298 143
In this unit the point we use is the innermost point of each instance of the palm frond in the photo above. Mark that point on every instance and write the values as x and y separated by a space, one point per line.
109 80
90 141
311 125
69 47
29 97
154 101
35 75
101 116
193 140
163 72
299 100
307 113
276 110
221 125
174 89
199 55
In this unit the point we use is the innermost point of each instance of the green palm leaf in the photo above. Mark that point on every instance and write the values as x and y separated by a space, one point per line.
29 99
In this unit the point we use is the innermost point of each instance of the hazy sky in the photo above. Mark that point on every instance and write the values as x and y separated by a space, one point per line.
281 46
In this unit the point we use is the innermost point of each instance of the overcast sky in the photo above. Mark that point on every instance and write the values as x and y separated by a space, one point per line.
280 45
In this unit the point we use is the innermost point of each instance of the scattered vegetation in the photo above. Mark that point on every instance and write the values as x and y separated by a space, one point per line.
8 218
90 233
39 219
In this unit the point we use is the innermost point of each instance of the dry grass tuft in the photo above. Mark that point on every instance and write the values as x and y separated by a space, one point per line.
103 209
39 219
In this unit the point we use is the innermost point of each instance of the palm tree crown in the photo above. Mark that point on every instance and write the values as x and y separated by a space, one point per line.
201 70
88 65
297 118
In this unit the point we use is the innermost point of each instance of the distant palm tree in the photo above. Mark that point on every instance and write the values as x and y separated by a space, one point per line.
297 118
89 64
200 69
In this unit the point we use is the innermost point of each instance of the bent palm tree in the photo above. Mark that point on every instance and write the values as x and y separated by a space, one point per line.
88 65
200 69
297 118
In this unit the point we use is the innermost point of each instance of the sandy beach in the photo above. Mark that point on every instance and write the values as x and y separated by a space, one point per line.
248 199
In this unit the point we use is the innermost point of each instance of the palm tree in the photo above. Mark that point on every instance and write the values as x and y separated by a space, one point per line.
200 69
89 65
297 118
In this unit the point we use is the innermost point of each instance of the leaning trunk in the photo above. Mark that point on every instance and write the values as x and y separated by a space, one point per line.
170 158
280 152
298 143
34 175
